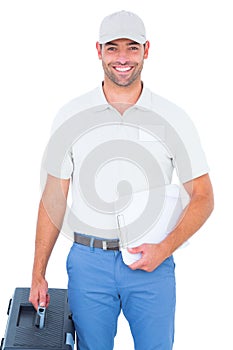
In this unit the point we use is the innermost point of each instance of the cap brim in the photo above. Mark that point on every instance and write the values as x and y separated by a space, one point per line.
107 38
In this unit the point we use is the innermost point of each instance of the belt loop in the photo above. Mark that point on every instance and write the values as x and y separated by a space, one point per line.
92 244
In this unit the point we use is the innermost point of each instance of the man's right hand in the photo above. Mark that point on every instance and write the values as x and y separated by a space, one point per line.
39 293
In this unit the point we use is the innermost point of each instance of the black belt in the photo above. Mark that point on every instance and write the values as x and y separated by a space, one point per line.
106 244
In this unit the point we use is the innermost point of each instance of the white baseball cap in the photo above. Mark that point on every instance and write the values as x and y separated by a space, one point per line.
122 25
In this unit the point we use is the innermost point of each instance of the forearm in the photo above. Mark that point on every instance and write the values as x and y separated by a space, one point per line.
50 218
46 236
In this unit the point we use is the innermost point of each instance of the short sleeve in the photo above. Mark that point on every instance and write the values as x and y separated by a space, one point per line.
182 139
189 160
58 160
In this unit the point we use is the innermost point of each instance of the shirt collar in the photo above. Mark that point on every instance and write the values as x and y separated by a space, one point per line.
144 101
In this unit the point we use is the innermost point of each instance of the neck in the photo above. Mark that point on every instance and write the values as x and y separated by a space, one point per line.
122 97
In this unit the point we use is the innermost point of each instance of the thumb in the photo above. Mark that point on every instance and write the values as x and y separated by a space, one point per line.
135 250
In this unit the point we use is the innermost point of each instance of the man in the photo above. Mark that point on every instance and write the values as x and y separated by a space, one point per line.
100 283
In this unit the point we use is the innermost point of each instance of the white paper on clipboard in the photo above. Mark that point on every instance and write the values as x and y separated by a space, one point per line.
169 216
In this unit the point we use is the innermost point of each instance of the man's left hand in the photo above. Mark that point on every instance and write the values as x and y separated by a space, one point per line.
152 256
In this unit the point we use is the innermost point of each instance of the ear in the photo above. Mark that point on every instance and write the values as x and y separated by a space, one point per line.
146 51
99 50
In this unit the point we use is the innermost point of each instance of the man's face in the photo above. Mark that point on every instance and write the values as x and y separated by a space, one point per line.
122 60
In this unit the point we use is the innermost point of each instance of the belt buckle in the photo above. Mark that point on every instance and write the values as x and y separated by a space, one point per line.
104 245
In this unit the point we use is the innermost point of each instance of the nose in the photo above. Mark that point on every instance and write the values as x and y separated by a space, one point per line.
122 57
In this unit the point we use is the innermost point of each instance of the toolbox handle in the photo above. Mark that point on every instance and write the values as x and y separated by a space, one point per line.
70 340
40 317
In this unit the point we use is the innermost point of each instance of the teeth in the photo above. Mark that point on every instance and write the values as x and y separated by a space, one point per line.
122 69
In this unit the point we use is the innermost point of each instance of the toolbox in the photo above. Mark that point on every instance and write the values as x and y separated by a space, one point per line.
44 329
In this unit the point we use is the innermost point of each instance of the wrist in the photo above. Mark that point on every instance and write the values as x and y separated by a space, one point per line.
166 248
38 274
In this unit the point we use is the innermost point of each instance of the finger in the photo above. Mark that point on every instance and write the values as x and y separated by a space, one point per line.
47 299
136 250
139 264
42 298
34 299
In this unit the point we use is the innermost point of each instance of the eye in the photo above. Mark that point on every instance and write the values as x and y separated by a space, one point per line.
133 48
111 48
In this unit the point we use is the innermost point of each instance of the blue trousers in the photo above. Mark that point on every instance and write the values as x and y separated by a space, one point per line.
101 285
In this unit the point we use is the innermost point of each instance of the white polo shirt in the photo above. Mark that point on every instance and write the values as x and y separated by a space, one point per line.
116 162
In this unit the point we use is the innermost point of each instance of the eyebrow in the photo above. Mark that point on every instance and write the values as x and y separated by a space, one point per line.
133 43
110 43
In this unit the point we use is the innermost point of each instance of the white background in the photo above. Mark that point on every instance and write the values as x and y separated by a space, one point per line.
47 58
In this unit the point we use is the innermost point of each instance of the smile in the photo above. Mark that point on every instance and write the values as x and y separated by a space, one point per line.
123 69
